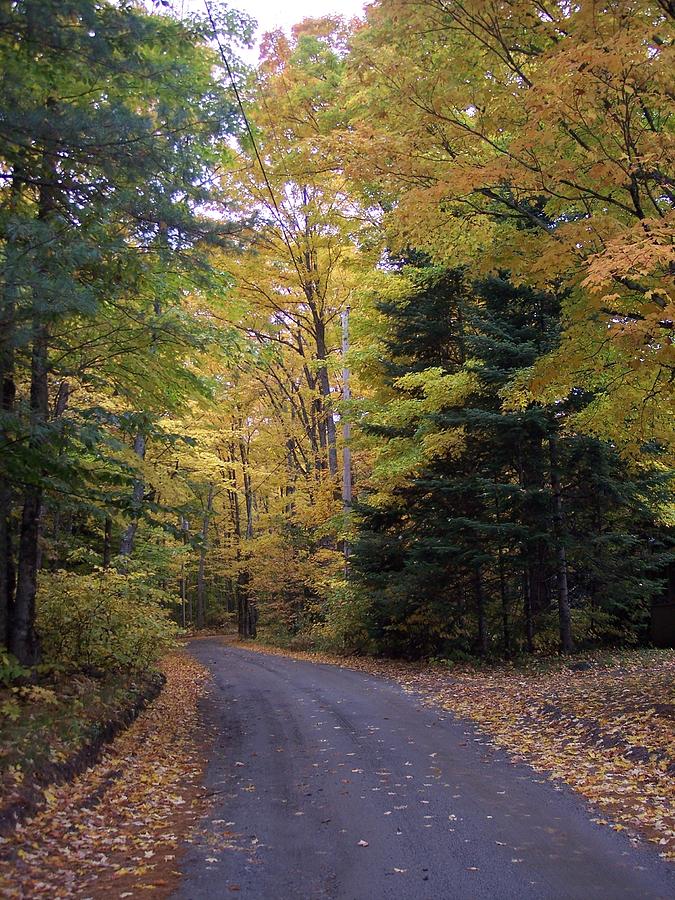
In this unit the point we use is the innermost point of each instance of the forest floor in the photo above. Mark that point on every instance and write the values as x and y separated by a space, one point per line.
602 723
53 729
116 828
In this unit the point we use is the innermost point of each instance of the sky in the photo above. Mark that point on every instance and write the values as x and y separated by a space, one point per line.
287 12
272 14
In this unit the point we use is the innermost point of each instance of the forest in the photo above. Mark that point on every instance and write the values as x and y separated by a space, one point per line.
367 348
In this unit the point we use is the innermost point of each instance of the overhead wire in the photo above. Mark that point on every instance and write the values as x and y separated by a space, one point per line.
251 135
258 156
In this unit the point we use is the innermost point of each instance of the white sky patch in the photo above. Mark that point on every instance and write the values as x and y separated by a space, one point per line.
282 13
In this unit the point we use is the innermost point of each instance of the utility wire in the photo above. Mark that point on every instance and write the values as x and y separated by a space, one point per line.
249 131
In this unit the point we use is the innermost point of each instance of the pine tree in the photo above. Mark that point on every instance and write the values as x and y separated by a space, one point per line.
498 515
111 129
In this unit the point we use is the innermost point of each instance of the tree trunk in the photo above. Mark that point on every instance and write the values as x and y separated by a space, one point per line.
331 436
527 611
324 389
247 613
23 640
252 620
62 397
107 541
201 599
248 491
184 528
137 494
246 617
503 587
7 580
201 570
504 597
241 583
60 406
347 492
480 612
564 613
183 595
7 575
7 396
535 550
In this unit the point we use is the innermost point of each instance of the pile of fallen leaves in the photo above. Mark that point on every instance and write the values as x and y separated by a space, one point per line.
114 831
49 730
605 727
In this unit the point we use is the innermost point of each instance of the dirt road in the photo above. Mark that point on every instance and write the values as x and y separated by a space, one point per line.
332 783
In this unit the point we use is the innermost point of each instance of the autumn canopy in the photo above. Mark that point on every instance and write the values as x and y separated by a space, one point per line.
368 347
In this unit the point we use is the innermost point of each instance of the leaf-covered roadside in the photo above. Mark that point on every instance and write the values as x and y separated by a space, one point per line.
49 732
605 726
115 830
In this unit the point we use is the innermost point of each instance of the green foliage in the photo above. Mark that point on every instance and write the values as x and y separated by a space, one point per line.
345 622
102 621
10 669
457 544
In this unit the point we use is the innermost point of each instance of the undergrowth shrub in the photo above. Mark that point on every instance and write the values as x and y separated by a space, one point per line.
102 621
346 617
10 669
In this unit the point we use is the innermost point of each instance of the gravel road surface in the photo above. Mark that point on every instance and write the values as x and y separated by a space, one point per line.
329 783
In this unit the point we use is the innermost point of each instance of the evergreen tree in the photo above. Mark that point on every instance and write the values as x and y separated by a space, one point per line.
111 129
502 515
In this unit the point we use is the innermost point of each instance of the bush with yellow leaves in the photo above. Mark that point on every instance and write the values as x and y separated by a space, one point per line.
102 621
